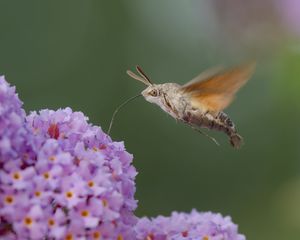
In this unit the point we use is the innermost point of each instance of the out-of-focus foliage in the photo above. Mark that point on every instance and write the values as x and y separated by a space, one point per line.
75 53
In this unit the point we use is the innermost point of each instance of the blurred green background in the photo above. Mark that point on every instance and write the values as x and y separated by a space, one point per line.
75 53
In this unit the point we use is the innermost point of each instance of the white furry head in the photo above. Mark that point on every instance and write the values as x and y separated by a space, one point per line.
152 94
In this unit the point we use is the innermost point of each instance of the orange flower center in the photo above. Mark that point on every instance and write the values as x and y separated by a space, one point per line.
91 184
69 237
120 237
51 222
95 149
9 199
52 158
37 193
46 175
104 202
28 221
96 235
85 213
69 194
16 176
150 237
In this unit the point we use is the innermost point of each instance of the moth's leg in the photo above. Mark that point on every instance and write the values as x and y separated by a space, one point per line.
187 117
176 117
205 134
201 132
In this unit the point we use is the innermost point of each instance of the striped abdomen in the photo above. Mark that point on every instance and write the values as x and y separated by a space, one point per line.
221 122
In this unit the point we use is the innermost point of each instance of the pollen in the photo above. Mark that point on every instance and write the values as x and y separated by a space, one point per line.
205 238
46 175
69 194
51 222
91 184
37 193
52 158
150 237
95 149
9 199
28 221
96 235
120 237
85 213
69 237
104 202
16 176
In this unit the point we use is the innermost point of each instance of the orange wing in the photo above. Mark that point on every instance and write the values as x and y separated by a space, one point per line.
216 92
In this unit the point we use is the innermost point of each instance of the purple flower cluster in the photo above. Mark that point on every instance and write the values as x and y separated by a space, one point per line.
62 178
184 226
70 182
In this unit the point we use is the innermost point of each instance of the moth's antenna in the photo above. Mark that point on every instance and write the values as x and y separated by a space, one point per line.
206 135
142 76
117 110
142 73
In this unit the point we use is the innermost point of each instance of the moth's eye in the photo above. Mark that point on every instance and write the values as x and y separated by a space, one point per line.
153 93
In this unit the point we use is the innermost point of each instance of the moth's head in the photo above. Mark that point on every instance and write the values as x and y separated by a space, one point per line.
152 92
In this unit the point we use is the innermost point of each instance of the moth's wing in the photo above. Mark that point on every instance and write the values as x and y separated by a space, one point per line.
205 75
216 92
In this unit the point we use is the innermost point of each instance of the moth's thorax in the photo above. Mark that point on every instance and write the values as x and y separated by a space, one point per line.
170 98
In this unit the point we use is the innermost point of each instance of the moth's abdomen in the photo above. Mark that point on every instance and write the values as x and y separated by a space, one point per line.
221 122
222 117
229 128
236 140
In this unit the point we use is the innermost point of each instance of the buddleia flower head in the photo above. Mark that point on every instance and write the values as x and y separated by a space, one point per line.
61 177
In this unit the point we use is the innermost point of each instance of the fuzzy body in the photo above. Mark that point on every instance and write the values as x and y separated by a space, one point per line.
220 122
170 98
